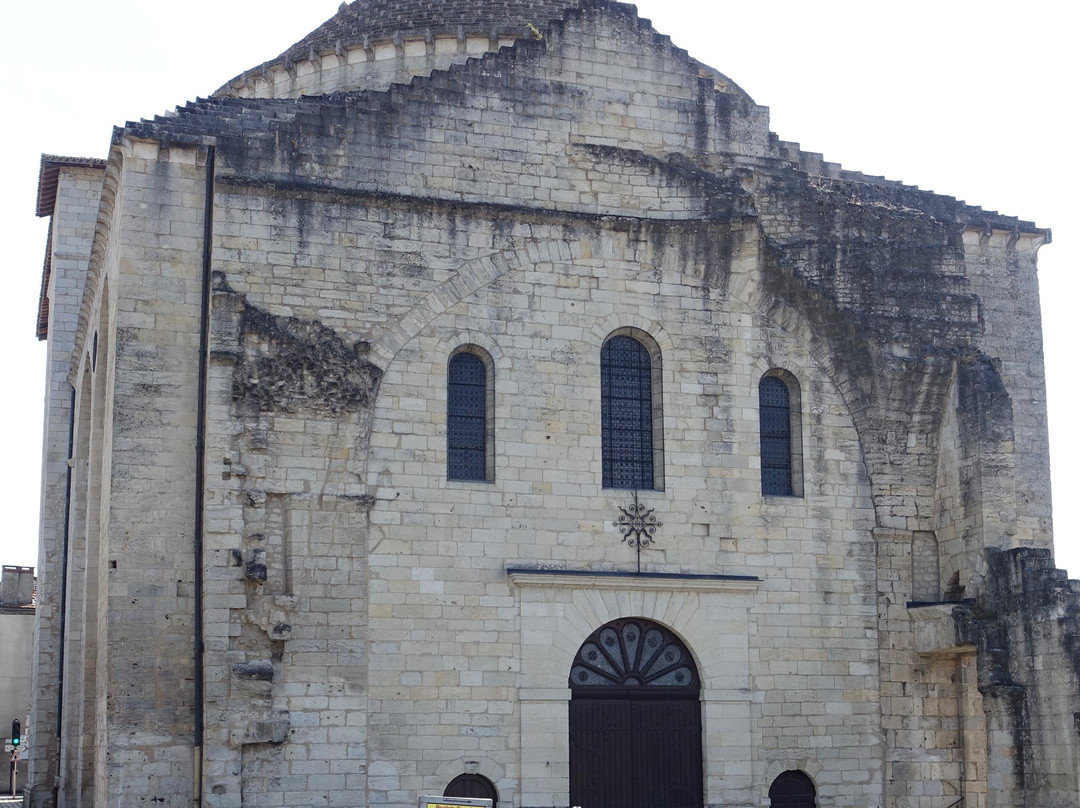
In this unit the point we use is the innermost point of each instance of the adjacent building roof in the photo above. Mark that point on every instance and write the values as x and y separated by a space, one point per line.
48 176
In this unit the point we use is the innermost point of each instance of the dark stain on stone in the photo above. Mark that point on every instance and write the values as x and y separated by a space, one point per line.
984 402
257 669
1027 610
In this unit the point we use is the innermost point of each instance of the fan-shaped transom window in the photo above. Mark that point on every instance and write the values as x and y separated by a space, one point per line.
633 653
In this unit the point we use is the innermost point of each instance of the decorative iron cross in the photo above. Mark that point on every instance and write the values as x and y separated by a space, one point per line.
637 525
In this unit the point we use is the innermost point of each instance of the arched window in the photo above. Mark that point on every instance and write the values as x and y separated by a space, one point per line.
781 439
629 414
469 411
792 789
472 785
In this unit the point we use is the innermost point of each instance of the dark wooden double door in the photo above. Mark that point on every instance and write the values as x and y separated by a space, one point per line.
638 748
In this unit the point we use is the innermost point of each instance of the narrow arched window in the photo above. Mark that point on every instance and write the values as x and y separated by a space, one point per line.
781 439
468 418
628 414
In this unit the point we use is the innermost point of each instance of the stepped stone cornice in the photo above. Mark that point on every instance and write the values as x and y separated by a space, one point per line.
365 23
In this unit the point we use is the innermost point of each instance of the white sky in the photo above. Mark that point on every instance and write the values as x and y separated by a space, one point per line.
970 99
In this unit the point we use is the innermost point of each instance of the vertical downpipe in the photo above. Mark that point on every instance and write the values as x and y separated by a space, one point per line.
200 475
63 596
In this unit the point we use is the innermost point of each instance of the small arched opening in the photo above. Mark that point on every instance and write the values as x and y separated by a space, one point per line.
472 786
792 789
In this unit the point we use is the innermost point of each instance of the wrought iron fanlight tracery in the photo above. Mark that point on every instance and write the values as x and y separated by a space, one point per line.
633 653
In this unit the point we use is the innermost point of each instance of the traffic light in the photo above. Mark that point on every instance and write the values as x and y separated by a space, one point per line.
16 732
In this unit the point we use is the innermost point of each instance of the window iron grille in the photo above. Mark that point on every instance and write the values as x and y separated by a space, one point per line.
466 418
774 408
626 414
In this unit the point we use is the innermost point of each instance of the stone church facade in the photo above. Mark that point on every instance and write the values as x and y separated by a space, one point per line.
481 399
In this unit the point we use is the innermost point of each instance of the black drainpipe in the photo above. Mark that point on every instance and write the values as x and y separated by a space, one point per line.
64 589
200 473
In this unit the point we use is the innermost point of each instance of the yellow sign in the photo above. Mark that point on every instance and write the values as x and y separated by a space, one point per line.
454 802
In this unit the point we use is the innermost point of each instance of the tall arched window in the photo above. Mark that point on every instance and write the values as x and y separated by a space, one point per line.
781 439
629 414
469 411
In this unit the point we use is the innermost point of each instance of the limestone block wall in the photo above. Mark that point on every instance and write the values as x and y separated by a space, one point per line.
933 720
78 697
366 42
582 123
440 548
128 665
91 372
443 615
287 577
1024 625
1001 266
74 218
147 554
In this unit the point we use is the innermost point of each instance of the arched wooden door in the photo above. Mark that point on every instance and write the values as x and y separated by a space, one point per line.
792 789
472 785
635 720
